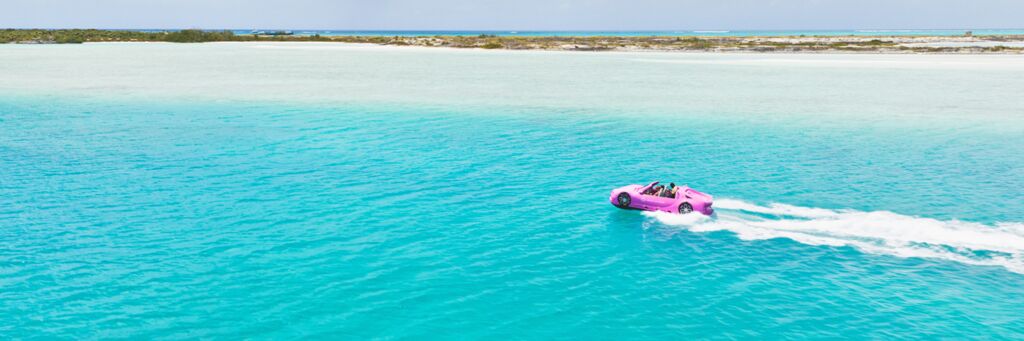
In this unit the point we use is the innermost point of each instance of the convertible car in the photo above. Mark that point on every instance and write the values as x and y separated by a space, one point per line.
638 197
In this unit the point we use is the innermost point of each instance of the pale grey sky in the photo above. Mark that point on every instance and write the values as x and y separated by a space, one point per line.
514 15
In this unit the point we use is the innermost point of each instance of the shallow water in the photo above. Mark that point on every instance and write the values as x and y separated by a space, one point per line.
242 190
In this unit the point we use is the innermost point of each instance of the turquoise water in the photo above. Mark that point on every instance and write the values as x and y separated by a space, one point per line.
230 191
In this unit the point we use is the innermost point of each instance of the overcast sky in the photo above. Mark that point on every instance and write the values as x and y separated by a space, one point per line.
513 14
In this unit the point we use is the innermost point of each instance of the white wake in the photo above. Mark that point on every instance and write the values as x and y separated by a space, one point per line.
878 232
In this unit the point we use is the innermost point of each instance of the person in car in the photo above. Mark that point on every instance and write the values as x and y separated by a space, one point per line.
672 189
657 190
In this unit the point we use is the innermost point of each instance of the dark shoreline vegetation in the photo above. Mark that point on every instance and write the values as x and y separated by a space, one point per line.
868 44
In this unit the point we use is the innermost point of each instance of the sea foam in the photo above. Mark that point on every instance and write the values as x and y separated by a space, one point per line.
876 232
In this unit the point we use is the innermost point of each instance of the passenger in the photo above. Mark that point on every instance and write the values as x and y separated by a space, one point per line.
658 190
667 192
671 191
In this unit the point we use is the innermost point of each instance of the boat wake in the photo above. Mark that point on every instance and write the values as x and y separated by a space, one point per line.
878 232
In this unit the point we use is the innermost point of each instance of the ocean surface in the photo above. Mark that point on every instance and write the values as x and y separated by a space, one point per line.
280 191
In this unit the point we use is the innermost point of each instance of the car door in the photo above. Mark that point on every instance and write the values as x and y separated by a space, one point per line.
658 203
642 200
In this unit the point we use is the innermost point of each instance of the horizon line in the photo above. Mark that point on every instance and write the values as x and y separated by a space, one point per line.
521 30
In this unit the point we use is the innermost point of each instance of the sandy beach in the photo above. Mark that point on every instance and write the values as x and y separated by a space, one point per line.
967 44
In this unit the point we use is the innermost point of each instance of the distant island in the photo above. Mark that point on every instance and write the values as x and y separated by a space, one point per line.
967 44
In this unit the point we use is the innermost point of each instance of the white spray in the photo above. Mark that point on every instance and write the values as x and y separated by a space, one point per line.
878 232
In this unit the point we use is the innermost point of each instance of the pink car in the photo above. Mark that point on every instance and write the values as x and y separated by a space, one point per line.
685 201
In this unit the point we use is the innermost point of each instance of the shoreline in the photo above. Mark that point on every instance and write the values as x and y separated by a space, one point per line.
320 45
740 44
964 44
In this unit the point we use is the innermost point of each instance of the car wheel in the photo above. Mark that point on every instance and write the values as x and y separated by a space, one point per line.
685 208
623 200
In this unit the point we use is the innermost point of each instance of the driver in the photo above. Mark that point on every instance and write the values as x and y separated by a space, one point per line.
672 189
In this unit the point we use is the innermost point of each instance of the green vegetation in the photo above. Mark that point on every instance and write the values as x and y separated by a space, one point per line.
876 42
197 36
68 36
81 36
492 45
